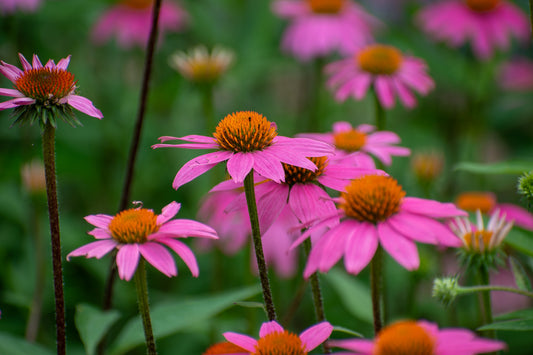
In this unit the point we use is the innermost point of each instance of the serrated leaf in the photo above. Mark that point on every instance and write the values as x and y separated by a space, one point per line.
520 276
514 325
504 167
354 295
520 240
347 331
93 324
172 317
12 345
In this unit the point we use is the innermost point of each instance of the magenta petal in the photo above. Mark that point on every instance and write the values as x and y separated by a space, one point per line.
168 212
401 249
159 257
362 346
520 216
11 93
239 165
410 226
25 64
271 199
384 91
316 335
127 260
63 63
100 233
84 105
183 252
431 208
309 202
199 165
270 327
268 166
99 220
361 248
182 228
244 341
95 249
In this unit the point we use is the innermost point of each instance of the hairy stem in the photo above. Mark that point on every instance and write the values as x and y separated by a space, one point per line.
376 286
141 286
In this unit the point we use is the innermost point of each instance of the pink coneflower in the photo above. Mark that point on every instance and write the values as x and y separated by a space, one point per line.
363 139
139 231
321 27
381 68
273 339
516 75
247 140
421 338
487 24
10 6
130 22
225 348
373 209
486 202
49 88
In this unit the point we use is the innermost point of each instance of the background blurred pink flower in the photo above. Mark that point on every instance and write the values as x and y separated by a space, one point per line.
421 337
10 6
381 68
487 24
319 28
516 75
130 21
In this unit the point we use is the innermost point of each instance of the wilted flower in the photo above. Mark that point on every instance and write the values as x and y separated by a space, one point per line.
200 66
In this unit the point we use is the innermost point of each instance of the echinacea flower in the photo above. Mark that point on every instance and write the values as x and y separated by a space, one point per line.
273 339
130 21
322 27
487 24
247 140
421 338
140 232
516 75
373 210
427 166
33 178
10 6
363 139
225 348
200 66
383 69
486 202
43 92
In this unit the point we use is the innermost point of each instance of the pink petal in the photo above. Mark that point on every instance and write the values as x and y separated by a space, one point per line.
183 228
271 199
36 62
308 202
99 220
431 208
268 166
84 105
384 91
360 249
239 165
168 212
199 165
411 227
159 257
362 346
95 249
270 327
316 335
127 260
63 63
11 93
244 341
100 233
519 215
183 252
342 126
401 249
25 64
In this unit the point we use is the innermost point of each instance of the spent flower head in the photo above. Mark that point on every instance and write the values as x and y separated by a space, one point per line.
42 93
200 66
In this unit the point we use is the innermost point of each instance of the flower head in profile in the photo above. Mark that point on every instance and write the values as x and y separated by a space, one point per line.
130 22
421 338
140 232
322 27
200 66
487 24
10 6
516 75
273 339
373 210
247 141
42 93
384 69
487 204
363 139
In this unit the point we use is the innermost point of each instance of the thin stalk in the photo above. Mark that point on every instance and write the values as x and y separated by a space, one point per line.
313 100
141 286
531 15
484 279
317 294
472 289
53 214
258 245
381 119
208 108
376 286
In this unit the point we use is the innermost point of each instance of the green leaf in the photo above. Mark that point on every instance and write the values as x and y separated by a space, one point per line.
520 240
354 295
521 314
93 324
504 167
172 317
13 345
520 276
515 325
251 304
347 331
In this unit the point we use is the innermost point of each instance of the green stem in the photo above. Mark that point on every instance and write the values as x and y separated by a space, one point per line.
376 285
141 286
381 119
317 294
531 15
258 245
484 279
313 102
53 214
208 108
472 289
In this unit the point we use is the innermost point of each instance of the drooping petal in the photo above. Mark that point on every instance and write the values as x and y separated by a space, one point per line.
199 165
84 105
184 253
239 165
168 212
431 208
316 335
127 260
95 249
159 257
520 216
244 341
268 166
270 327
360 249
362 346
11 93
182 228
100 233
400 248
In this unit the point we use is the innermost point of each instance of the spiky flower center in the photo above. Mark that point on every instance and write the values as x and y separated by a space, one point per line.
224 348
280 343
482 5
478 240
472 201
245 131
380 59
138 4
404 338
296 174
133 225
350 141
372 198
325 6
46 85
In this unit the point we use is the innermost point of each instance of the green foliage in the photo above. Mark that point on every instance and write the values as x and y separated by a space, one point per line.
12 345
93 324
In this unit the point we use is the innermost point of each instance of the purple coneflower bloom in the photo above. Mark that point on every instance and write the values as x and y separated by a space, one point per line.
130 22
363 139
487 24
247 140
10 6
373 210
383 68
139 231
422 338
321 27
516 75
273 339
48 86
